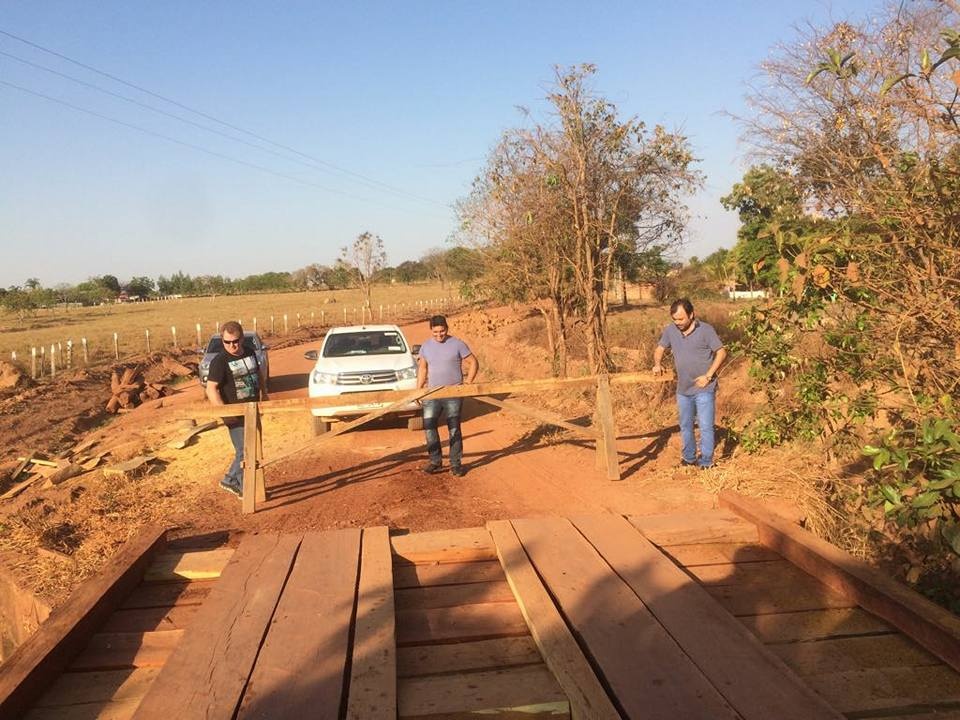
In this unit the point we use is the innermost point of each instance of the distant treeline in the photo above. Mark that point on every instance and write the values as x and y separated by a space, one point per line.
457 264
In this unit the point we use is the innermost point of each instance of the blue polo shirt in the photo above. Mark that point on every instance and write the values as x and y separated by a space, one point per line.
692 354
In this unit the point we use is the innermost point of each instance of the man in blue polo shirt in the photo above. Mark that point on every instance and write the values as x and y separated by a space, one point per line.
443 361
697 355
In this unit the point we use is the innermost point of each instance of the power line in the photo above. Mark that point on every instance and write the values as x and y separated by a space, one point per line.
191 146
202 114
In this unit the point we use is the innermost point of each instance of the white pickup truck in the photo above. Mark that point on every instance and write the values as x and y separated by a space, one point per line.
360 359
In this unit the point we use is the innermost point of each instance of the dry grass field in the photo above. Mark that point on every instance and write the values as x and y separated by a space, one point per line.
131 321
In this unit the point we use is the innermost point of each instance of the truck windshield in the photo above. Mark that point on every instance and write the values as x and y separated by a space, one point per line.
373 342
216 344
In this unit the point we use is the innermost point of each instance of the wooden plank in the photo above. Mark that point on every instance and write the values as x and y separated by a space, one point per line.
168 594
932 626
608 429
858 691
43 656
478 655
707 526
647 673
120 710
538 414
760 600
195 565
518 692
184 438
398 404
459 624
251 444
21 466
116 651
753 680
177 617
409 576
856 653
768 573
517 387
560 651
808 625
300 669
88 687
718 553
444 546
231 624
373 672
453 595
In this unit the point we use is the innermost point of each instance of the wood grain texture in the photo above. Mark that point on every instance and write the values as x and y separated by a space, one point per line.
444 546
452 595
806 625
189 565
156 595
409 575
116 651
459 624
467 656
706 526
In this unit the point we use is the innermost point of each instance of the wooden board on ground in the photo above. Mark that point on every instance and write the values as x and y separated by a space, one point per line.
106 686
643 667
854 653
232 622
719 553
525 692
459 624
462 657
807 625
763 600
35 663
195 565
442 596
407 576
300 667
373 673
176 617
115 651
551 634
886 690
162 595
707 526
444 546
753 680
119 710
184 438
130 467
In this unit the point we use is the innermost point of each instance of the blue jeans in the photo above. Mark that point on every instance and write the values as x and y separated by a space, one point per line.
234 474
701 405
431 414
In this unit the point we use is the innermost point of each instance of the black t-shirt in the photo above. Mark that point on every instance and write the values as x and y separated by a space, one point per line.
237 378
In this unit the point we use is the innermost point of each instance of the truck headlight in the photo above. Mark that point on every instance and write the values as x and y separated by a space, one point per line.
323 378
407 373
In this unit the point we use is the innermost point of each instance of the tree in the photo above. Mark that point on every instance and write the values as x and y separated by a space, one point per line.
141 285
365 257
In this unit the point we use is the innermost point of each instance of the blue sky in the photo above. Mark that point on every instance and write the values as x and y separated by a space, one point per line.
411 95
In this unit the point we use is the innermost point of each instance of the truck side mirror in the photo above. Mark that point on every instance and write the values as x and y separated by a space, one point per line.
416 349
311 355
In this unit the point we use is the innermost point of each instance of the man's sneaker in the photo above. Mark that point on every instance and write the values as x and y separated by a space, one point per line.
432 468
687 463
231 487
458 471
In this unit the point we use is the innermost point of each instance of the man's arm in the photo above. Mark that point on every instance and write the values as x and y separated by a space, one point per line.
657 359
213 393
263 382
421 372
472 366
711 373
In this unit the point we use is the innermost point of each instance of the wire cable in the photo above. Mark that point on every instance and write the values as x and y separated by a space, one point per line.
212 118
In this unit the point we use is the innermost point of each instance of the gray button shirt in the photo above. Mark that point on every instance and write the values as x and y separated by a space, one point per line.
692 354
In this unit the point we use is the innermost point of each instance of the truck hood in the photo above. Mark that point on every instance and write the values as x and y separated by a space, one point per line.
364 363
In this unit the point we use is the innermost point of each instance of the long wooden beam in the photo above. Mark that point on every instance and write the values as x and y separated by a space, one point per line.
519 387
41 658
542 415
937 629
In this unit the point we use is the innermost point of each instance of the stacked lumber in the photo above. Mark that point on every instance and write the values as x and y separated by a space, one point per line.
129 389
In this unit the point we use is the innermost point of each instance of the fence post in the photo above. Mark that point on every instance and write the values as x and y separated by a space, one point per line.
381 313
33 362
218 327
83 342
323 317
53 361
146 334
344 314
607 441
284 323
271 325
311 318
173 330
69 354
298 321
254 323
198 336
116 346
60 353
43 359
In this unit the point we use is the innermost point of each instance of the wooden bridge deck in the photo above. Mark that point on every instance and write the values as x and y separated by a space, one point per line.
670 616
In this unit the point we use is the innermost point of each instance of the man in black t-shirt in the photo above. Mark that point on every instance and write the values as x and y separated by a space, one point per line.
235 376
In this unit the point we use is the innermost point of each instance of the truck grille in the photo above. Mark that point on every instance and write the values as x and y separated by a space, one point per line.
375 377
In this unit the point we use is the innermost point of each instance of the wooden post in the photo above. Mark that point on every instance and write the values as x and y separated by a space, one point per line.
199 341
323 317
381 313
311 318
261 490
271 325
33 362
254 323
13 356
251 429
173 330
83 342
218 327
53 361
608 429
60 354
69 354
298 321
43 359
344 314
116 347
284 323
146 334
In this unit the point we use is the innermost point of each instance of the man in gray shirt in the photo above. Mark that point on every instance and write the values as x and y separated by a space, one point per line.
443 360
697 355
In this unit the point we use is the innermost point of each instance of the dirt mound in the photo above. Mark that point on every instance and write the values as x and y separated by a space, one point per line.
12 377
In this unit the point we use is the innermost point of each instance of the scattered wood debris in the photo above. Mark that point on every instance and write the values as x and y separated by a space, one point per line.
184 438
129 389
130 468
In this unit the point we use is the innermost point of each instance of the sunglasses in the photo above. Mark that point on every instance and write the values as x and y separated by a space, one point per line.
231 342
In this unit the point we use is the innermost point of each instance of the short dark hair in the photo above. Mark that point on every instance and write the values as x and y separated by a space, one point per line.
682 303
232 327
438 321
